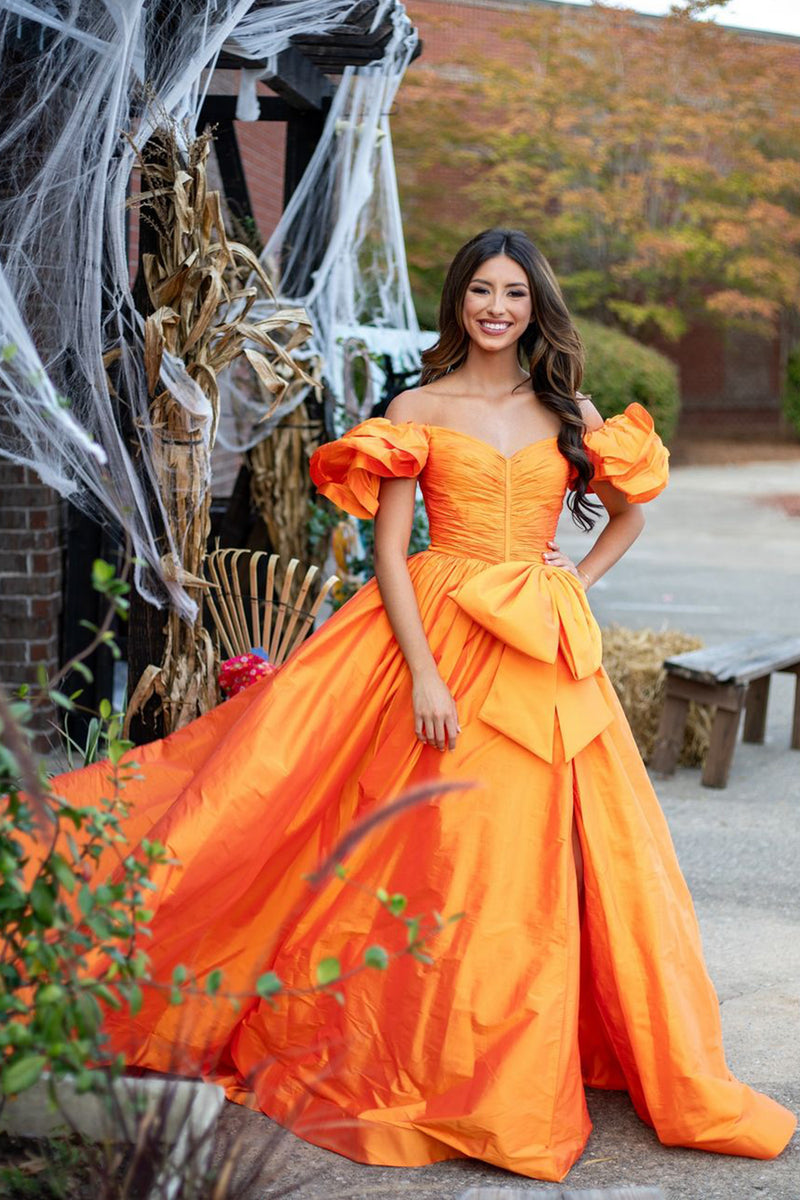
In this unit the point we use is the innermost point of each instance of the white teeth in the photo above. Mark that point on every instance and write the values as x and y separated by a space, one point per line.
493 327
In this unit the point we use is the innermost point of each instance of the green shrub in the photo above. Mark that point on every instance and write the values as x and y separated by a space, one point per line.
51 998
620 370
791 391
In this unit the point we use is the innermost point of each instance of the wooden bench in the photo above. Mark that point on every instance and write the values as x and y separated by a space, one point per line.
731 677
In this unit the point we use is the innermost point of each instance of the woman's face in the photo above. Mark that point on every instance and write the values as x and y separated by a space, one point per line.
497 303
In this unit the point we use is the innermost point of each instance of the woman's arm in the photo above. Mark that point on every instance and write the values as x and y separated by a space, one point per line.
435 717
393 522
625 522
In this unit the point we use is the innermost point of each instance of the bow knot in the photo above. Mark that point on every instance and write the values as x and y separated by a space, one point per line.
536 610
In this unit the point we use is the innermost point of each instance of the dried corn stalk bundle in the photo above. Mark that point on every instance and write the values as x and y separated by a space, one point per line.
200 316
633 659
279 481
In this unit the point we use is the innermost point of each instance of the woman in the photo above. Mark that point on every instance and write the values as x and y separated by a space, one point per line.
578 958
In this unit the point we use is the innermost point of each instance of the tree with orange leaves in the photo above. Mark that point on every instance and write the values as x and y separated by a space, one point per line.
655 162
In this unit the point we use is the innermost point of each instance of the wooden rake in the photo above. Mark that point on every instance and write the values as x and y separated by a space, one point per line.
285 622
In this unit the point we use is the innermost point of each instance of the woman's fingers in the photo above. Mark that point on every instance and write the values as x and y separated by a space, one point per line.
430 729
435 716
438 730
554 558
439 733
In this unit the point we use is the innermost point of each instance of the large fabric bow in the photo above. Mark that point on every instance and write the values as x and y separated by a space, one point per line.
535 610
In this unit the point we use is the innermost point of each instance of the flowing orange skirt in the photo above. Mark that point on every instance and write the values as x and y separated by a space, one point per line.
486 1051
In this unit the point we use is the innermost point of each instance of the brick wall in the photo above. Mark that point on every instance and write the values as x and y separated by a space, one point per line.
30 580
262 145
731 384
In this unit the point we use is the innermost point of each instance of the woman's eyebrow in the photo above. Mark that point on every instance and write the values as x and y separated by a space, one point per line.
488 281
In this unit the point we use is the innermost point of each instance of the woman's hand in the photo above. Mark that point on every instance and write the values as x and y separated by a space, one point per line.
435 717
554 558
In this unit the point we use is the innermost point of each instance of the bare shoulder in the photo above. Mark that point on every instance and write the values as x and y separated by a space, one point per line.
592 418
411 405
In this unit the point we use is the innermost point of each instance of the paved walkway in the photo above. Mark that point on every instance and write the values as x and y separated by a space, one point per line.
715 561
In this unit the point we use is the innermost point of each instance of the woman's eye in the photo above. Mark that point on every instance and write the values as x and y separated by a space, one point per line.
479 291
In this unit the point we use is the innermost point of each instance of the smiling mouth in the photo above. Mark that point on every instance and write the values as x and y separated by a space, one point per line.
495 326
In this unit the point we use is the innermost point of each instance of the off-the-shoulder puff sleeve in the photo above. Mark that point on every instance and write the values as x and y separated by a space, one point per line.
349 470
627 452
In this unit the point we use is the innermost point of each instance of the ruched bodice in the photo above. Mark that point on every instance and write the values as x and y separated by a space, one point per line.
496 512
483 504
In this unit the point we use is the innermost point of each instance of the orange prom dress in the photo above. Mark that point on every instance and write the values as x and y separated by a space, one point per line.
485 1051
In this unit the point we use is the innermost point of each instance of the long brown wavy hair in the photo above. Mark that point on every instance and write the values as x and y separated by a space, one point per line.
550 349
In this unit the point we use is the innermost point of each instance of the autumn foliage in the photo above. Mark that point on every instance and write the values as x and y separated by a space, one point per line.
655 162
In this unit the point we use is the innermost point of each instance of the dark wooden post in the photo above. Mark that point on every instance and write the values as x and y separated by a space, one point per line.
146 624
231 168
303 131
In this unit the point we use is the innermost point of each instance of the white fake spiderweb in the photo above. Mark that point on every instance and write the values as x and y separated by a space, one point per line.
73 79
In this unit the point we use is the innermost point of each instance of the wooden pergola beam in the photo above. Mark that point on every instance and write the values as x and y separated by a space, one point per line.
293 76
353 43
223 108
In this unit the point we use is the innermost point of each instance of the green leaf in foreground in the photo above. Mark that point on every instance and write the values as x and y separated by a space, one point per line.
413 924
267 985
85 900
63 872
135 999
23 1073
328 971
376 957
43 901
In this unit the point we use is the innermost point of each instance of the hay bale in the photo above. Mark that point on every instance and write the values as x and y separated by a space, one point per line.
633 659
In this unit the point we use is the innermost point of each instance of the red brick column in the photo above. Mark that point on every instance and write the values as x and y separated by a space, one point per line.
30 581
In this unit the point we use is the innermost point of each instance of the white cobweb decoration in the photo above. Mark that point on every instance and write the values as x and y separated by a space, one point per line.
74 77
338 249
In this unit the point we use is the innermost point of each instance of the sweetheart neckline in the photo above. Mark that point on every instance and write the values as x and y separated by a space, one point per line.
488 445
